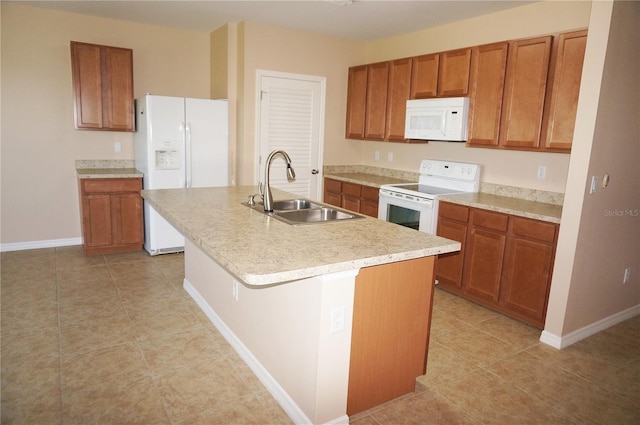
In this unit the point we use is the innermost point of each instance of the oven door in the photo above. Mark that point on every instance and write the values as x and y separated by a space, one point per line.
416 213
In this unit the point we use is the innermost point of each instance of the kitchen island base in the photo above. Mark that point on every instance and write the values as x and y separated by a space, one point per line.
324 346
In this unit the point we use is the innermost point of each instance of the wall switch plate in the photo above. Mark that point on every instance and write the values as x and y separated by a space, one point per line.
627 275
117 146
234 290
594 184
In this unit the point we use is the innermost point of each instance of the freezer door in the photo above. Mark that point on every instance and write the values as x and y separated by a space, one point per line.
207 142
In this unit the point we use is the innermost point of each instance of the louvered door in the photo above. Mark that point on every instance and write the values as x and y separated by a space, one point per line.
290 116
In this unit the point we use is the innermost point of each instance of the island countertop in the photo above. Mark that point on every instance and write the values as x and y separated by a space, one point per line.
261 250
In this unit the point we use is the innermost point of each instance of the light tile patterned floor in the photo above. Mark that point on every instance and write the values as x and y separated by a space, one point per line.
114 339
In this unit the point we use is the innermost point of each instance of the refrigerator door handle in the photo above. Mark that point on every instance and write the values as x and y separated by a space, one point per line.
187 154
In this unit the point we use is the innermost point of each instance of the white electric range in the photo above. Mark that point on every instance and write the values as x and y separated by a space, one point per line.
415 205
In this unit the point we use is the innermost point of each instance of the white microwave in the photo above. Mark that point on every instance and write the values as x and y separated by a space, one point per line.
437 119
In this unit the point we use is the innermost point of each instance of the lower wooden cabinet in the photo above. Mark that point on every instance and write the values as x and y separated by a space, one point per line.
352 196
505 262
111 212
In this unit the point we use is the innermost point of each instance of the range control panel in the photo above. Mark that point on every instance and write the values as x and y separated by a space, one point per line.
453 170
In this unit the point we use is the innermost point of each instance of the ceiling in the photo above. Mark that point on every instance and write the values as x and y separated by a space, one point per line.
363 20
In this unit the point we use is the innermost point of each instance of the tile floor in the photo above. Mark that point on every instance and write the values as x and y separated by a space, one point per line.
114 339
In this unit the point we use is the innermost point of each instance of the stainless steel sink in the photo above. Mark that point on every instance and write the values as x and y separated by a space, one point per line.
293 204
304 211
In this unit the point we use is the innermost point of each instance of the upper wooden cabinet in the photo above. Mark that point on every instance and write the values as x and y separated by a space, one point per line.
376 109
562 91
398 94
453 73
356 101
443 74
488 70
524 92
424 76
103 87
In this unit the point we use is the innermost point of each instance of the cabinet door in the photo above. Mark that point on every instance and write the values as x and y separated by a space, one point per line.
87 85
453 73
526 275
449 266
126 215
566 72
484 254
488 69
97 220
376 110
369 201
356 102
118 89
399 92
424 76
525 89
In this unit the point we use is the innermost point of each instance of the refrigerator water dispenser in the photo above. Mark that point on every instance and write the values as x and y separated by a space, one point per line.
167 159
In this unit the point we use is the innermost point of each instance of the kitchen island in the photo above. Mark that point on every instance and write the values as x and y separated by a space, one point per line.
333 317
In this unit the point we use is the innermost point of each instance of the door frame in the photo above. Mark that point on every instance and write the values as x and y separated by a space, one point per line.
323 95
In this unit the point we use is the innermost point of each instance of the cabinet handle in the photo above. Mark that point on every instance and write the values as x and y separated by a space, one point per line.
314 171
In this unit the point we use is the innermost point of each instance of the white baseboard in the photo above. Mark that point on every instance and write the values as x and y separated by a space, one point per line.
52 243
285 401
564 341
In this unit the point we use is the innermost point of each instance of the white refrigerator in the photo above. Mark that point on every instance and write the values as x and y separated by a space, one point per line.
179 143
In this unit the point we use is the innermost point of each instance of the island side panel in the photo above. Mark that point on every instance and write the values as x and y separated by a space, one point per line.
391 322
286 329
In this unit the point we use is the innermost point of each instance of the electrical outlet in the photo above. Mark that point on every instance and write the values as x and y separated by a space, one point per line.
337 320
627 275
542 171
390 157
376 155
117 146
234 290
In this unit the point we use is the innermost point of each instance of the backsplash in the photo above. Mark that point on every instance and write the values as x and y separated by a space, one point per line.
535 195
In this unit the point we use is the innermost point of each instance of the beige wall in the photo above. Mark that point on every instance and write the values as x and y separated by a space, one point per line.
39 142
503 167
600 232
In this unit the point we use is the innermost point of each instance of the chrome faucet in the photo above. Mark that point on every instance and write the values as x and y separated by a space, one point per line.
291 175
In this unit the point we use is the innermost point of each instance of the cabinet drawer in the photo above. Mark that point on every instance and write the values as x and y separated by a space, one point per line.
533 229
111 185
333 185
370 193
489 220
351 189
454 212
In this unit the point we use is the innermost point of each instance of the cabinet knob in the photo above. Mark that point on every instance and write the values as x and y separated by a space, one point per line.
314 171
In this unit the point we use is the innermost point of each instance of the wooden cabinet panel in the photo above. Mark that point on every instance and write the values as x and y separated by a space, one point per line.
376 109
398 94
488 69
111 211
452 224
525 89
483 263
424 76
453 73
391 322
356 102
103 87
352 196
527 269
563 90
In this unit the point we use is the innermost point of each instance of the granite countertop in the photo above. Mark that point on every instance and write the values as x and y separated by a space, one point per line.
539 205
108 173
504 204
261 250
367 179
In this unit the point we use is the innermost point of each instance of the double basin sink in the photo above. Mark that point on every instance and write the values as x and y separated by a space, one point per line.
304 211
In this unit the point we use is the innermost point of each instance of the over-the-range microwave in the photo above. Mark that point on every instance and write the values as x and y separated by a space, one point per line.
437 119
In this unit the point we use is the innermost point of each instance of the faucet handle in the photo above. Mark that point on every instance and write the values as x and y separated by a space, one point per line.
261 188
